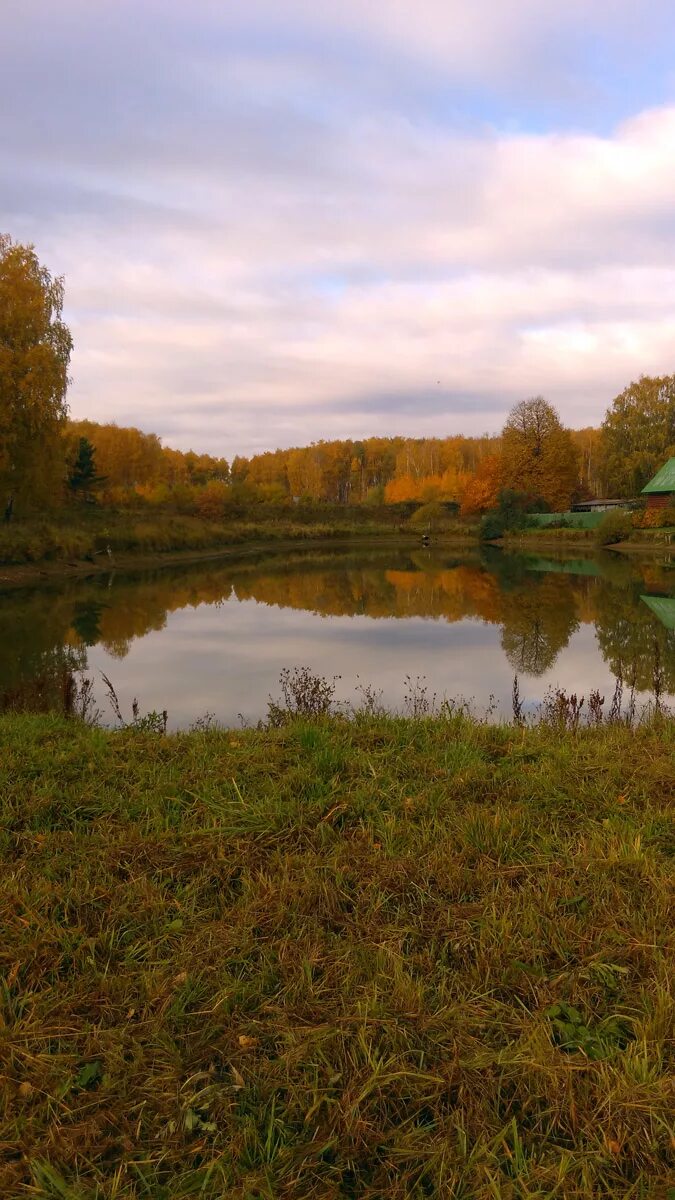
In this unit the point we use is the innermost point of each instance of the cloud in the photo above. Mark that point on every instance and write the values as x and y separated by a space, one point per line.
293 221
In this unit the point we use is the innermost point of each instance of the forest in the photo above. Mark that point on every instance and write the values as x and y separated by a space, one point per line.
50 461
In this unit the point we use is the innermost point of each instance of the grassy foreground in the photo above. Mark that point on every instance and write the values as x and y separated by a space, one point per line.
377 958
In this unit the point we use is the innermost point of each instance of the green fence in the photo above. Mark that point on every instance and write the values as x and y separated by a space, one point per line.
569 520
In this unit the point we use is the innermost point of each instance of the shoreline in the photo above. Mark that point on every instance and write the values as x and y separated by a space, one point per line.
570 543
17 575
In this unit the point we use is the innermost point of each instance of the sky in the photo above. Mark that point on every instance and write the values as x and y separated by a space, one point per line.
286 220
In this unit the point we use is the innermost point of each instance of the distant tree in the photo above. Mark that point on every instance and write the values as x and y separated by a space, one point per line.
539 457
83 477
588 442
127 457
239 469
403 487
482 489
35 349
213 500
638 435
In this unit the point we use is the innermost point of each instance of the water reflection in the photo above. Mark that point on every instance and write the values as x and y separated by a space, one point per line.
226 626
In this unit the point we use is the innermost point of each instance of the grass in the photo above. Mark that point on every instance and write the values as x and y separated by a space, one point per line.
656 538
92 535
358 959
100 535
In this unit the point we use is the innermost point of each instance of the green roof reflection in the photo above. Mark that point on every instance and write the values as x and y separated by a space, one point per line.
663 607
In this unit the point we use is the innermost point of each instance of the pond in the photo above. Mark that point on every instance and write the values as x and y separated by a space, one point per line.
213 637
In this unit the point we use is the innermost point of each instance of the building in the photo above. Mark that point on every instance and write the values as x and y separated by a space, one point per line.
598 505
660 491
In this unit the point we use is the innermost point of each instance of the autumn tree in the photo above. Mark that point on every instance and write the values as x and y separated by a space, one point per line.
35 349
304 473
589 443
638 435
539 459
482 489
127 457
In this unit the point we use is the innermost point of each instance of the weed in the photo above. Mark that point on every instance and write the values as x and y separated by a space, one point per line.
151 722
516 703
572 1032
371 700
417 702
303 695
562 710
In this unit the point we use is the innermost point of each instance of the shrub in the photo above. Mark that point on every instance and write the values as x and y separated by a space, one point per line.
614 527
211 503
493 525
375 495
656 518
430 516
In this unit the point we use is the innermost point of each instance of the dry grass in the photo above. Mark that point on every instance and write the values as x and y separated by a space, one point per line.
104 533
365 959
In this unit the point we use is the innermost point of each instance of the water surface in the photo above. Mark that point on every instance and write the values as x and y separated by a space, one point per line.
213 637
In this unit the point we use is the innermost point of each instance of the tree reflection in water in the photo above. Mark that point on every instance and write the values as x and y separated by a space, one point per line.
538 604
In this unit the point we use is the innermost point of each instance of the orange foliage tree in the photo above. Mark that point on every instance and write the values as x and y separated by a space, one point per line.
482 489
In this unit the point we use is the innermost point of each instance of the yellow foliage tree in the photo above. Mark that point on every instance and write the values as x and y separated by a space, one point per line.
539 458
35 349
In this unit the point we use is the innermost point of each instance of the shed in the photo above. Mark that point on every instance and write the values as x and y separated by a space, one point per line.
597 505
660 491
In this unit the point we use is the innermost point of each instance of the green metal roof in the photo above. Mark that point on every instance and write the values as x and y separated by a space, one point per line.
664 480
663 607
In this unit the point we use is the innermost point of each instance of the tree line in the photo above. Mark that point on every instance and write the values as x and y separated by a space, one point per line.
47 460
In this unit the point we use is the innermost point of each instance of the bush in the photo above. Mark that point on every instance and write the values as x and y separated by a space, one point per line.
614 527
375 496
430 516
511 514
493 525
212 502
